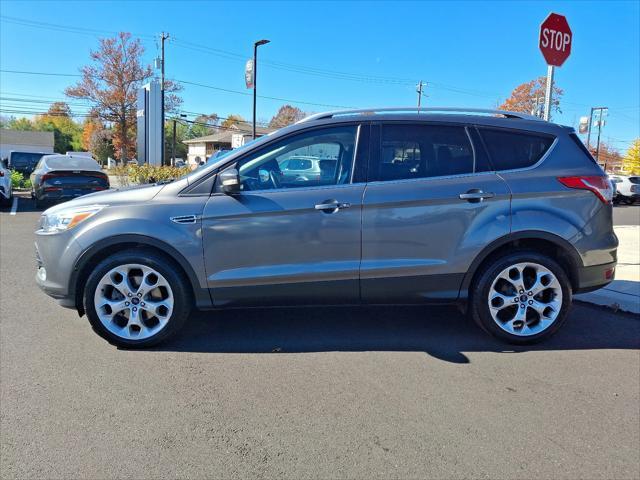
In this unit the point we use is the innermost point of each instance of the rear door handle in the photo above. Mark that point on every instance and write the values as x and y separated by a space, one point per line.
476 195
330 206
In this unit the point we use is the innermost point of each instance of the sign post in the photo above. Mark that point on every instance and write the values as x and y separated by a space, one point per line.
555 45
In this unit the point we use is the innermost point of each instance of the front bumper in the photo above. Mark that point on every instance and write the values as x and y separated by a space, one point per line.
56 256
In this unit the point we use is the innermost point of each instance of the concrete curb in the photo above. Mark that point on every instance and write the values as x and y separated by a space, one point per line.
611 298
624 292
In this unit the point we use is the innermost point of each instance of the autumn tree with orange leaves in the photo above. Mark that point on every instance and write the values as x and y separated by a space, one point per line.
90 126
524 97
111 84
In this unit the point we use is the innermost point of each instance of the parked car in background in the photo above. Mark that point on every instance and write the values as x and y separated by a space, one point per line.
307 168
6 189
24 162
502 213
64 177
627 188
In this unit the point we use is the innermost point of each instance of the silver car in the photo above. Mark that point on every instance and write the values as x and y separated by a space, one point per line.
504 214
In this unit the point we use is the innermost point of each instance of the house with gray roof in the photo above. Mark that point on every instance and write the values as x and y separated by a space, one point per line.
201 148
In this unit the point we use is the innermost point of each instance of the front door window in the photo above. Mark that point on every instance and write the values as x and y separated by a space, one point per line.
315 158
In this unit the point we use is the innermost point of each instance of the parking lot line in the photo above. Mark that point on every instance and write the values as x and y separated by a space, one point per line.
14 206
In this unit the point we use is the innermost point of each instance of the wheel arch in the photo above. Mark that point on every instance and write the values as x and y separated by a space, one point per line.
547 243
106 247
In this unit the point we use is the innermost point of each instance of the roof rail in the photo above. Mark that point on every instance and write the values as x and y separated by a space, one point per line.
372 111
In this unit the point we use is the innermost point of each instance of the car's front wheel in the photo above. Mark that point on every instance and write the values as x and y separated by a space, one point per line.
522 297
136 299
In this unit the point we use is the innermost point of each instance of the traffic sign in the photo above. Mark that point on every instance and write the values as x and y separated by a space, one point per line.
555 39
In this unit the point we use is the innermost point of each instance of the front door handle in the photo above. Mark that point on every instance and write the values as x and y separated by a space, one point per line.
331 206
475 195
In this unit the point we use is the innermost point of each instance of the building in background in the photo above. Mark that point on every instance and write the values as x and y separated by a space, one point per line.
235 136
25 141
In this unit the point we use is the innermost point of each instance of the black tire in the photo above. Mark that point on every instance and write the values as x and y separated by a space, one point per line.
180 287
480 289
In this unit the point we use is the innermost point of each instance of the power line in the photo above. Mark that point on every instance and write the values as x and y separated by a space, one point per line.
212 87
64 28
307 70
39 99
238 92
41 73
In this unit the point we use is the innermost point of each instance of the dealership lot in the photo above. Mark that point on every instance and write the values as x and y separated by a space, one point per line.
299 393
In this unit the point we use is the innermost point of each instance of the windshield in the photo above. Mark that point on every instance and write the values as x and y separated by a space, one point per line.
71 163
215 159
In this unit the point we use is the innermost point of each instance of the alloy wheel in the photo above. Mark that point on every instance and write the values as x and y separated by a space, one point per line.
133 301
525 299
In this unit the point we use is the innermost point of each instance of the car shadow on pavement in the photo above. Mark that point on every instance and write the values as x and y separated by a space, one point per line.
441 332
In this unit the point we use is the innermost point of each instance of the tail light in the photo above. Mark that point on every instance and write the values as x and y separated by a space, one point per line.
48 176
599 185
1 173
100 175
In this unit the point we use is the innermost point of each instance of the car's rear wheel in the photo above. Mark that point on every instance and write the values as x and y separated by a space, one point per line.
136 299
522 297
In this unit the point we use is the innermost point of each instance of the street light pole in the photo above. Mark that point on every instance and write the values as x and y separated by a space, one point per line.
255 79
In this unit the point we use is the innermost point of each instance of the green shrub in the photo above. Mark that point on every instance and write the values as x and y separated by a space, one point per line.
17 179
128 174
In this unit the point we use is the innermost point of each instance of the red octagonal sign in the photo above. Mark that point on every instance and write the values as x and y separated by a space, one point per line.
555 39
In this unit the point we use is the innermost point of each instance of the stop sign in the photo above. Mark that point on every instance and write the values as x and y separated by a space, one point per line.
555 39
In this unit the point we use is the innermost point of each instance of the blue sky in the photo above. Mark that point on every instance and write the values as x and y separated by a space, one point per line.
471 54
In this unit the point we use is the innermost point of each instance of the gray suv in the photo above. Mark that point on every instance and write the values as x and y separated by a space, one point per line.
501 213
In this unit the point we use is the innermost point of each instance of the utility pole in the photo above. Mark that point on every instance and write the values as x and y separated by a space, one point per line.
589 128
419 90
255 79
602 112
163 37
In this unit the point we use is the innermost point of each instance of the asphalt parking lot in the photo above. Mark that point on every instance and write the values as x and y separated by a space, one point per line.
310 393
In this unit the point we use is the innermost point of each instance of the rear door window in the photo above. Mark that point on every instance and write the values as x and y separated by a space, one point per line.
510 149
410 151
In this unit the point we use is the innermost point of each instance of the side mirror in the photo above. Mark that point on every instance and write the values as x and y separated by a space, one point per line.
230 181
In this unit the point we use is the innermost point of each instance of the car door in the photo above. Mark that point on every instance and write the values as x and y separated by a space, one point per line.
432 203
289 240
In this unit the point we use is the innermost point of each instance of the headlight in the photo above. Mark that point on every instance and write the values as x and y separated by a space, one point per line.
68 218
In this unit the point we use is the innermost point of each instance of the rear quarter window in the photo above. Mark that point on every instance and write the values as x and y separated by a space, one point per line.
509 150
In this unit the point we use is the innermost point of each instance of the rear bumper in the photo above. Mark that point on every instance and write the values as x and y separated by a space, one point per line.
5 192
595 277
64 194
